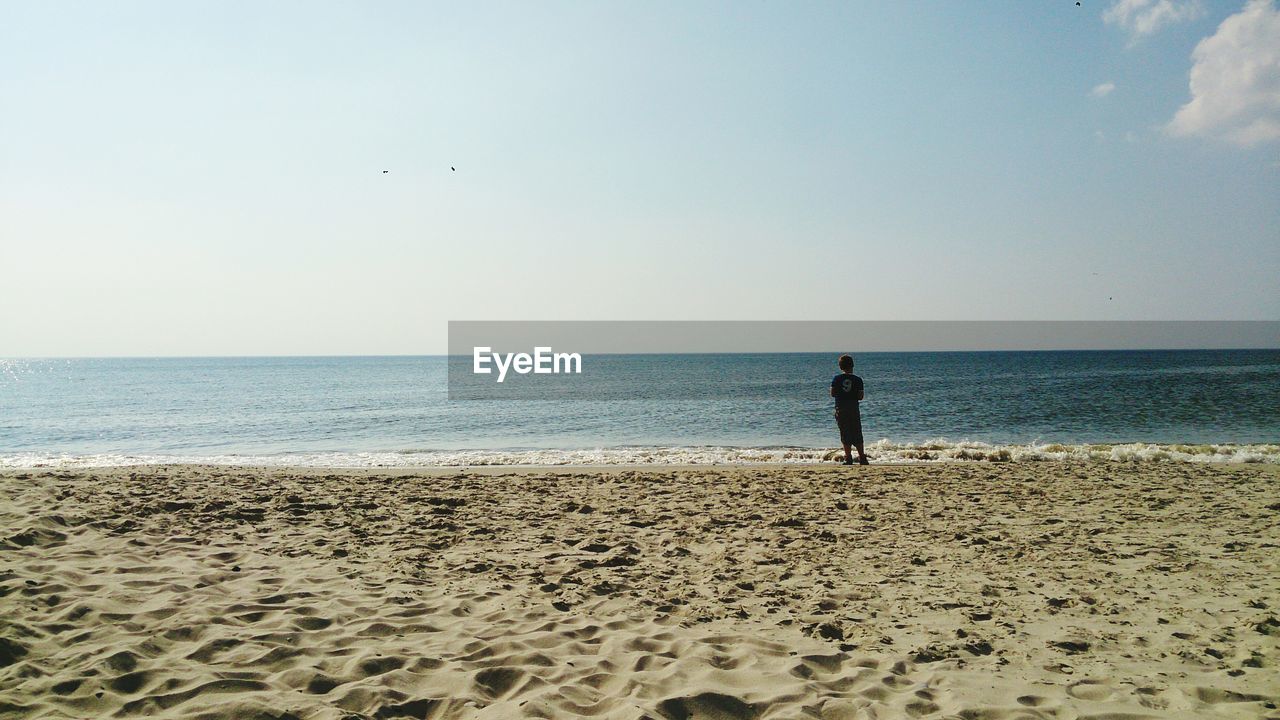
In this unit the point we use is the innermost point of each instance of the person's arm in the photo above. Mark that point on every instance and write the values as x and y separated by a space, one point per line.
861 388
833 389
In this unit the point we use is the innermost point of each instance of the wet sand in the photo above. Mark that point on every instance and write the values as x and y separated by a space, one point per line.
979 591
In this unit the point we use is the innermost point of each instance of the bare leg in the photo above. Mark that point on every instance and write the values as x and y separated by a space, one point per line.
848 454
862 455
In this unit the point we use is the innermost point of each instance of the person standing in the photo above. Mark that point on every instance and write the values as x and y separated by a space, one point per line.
847 389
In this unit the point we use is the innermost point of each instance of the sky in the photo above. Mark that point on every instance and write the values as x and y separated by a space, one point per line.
207 178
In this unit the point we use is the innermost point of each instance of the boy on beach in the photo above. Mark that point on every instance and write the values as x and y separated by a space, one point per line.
846 388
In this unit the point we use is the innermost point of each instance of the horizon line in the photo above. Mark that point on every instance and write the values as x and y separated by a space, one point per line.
705 352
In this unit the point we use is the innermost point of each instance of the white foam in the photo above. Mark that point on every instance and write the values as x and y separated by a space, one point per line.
882 451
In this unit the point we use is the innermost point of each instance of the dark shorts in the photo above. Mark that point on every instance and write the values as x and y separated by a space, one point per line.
850 424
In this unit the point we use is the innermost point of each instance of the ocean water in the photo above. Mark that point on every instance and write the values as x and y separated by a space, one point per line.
1196 406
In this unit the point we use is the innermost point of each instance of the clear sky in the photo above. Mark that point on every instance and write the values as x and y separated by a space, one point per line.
206 178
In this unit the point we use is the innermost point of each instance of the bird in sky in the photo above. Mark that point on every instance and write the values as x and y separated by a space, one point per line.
453 168
384 172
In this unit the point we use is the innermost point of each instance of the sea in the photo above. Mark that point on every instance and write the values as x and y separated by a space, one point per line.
1217 406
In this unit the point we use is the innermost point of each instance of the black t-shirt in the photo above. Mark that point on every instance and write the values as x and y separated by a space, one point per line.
848 388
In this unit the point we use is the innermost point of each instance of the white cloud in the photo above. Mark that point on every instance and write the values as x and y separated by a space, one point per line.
1235 80
1144 17
1102 90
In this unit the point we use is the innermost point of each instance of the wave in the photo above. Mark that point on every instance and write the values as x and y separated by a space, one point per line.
883 451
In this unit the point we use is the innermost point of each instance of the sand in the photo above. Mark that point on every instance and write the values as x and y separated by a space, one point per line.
977 591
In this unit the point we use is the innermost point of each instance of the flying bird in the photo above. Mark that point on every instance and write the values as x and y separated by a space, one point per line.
384 172
453 168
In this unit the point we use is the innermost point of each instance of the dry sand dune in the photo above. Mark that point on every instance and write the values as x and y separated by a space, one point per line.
985 592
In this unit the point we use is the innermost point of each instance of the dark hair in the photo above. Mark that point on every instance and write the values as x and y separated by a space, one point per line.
846 363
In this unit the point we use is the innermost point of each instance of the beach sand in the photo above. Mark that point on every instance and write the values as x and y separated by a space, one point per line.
978 591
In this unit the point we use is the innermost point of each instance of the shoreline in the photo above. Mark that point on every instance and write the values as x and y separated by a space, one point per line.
936 452
409 471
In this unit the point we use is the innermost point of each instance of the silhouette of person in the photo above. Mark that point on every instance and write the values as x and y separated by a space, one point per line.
847 389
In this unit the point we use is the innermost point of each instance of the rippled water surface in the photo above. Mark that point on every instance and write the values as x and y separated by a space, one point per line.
630 406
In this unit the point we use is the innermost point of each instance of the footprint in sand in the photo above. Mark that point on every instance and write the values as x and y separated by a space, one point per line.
922 708
1215 696
496 682
313 623
321 684
1089 690
130 683
708 705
